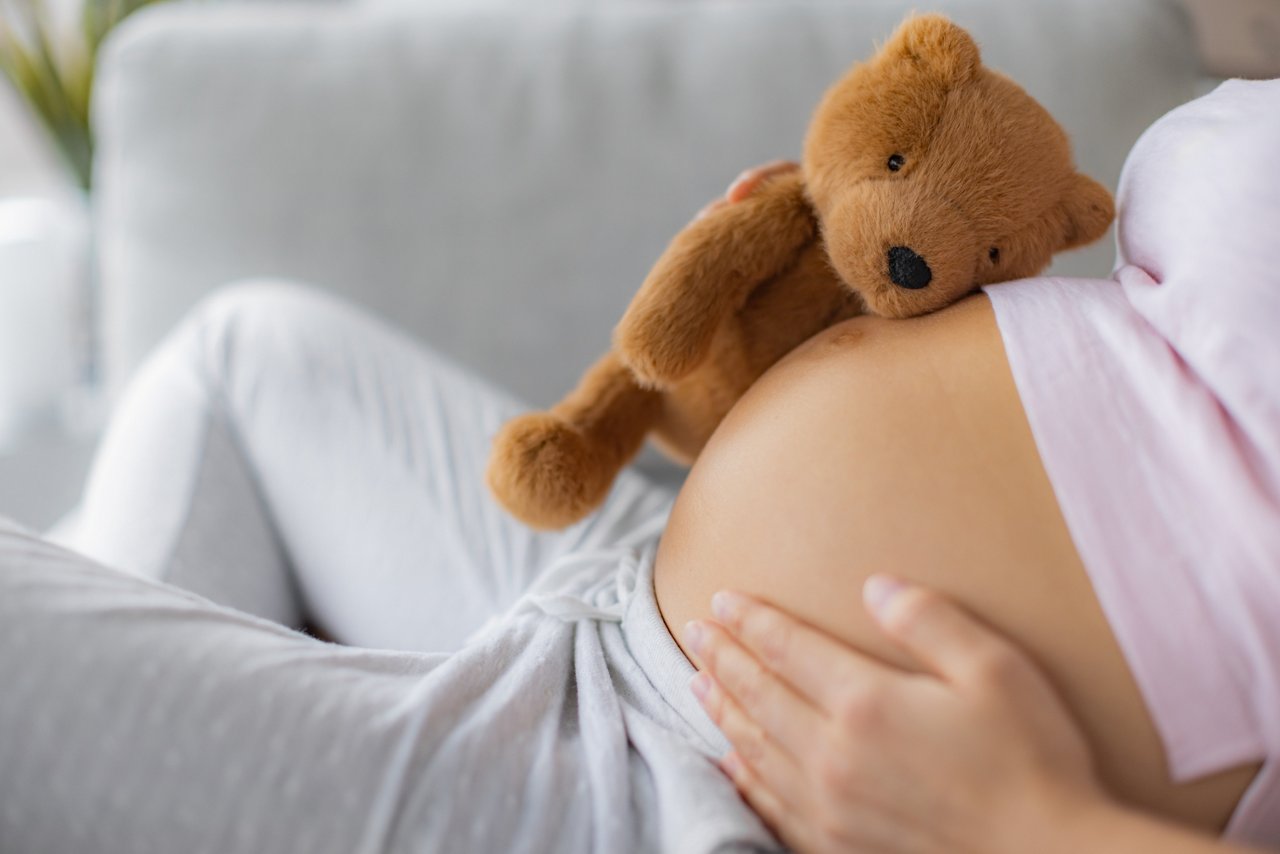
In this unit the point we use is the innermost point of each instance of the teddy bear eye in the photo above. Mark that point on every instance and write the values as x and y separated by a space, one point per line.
994 254
896 161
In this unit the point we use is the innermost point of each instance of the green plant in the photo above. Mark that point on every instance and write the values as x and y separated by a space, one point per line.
52 68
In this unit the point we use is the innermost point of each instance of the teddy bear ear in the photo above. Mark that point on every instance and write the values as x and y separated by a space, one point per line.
935 43
1087 210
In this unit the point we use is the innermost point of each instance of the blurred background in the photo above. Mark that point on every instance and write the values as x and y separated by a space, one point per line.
493 177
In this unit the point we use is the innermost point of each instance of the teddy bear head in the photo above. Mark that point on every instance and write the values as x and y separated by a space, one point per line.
933 175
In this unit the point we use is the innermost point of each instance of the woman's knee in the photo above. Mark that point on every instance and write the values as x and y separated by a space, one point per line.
237 314
256 325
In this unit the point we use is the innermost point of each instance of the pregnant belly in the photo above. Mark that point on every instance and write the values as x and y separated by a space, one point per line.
902 447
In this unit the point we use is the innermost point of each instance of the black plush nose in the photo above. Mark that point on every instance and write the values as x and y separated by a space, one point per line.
908 269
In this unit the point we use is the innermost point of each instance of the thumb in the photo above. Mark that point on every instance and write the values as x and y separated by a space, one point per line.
943 637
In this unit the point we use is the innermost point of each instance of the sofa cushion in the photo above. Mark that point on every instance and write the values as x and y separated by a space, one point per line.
498 179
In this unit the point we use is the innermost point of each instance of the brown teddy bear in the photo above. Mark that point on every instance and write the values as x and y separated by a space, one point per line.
925 175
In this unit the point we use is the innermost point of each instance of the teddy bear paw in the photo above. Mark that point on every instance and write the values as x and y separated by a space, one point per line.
547 473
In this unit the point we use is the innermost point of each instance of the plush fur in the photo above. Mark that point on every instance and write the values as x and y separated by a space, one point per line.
920 165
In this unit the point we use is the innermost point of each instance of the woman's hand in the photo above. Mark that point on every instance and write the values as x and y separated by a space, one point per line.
746 183
840 752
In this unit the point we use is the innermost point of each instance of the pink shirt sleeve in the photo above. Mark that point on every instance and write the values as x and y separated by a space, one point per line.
1154 398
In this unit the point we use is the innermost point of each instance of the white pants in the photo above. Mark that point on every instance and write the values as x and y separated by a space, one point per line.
284 456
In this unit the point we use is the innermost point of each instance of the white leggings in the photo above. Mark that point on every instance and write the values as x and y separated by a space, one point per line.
347 460
285 456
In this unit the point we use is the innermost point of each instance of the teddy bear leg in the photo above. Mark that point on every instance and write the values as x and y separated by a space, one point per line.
550 469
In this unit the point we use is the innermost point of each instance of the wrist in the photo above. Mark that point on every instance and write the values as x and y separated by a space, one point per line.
1055 820
1100 826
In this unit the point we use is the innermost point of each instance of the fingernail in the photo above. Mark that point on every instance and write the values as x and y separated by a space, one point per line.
694 635
726 606
878 591
700 685
730 764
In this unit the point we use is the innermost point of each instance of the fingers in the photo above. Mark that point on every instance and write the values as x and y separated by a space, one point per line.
745 184
940 634
813 663
764 703
750 742
792 827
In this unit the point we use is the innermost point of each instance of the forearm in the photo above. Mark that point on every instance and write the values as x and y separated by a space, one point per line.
1108 828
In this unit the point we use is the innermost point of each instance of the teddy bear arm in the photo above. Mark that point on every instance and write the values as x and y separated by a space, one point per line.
706 274
550 469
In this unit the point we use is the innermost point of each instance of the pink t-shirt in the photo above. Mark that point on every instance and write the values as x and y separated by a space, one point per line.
1154 397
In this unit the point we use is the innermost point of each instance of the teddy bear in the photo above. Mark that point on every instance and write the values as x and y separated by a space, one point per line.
924 176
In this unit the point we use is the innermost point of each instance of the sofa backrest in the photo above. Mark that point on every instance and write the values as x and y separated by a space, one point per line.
499 178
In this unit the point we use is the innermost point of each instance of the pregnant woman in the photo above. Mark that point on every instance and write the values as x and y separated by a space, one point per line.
1091 466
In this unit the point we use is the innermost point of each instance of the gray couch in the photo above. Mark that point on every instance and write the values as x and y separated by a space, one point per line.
498 178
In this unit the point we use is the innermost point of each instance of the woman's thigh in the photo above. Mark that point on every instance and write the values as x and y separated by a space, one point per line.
363 454
370 449
902 447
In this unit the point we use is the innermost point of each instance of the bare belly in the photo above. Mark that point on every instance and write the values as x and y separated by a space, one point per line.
901 446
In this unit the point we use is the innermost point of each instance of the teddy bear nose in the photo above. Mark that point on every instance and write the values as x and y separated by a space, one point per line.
908 269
